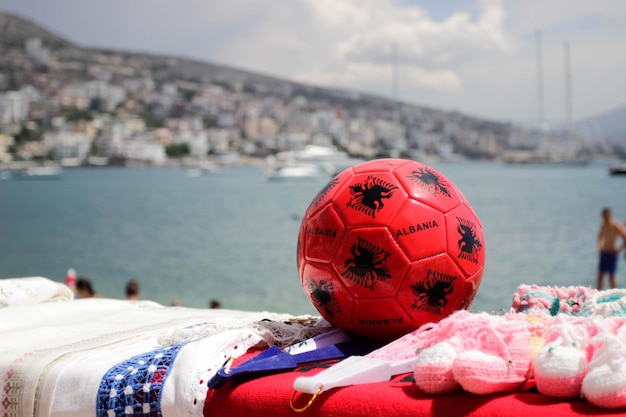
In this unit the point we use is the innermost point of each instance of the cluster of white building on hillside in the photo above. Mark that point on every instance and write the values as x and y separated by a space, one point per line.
123 103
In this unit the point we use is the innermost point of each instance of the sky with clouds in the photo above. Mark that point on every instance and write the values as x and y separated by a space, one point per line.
478 57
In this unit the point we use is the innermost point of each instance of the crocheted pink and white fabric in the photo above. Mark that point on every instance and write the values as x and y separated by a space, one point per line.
551 299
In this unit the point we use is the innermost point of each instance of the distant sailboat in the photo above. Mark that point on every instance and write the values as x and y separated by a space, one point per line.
618 169
546 152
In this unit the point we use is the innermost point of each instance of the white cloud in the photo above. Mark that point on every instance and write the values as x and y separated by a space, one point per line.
428 50
350 43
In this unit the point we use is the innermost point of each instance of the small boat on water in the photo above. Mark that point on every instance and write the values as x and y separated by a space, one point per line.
618 169
203 168
329 158
38 172
294 172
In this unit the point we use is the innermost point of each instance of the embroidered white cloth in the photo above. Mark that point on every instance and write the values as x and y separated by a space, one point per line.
107 357
32 290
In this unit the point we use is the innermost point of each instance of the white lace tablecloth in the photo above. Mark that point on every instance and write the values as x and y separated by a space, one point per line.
86 357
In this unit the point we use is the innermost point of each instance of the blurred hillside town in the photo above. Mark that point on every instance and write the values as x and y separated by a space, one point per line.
79 106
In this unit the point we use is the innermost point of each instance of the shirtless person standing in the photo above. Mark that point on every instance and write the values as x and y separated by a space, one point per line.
608 236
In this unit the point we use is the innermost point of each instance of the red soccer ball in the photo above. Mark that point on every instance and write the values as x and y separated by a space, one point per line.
388 245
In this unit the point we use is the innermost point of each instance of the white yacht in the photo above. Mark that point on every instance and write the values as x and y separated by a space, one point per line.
311 161
294 172
42 172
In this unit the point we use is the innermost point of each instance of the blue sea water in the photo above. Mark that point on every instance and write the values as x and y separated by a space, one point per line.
232 236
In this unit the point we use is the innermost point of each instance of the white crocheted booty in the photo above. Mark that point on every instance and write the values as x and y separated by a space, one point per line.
605 382
606 303
562 362
500 360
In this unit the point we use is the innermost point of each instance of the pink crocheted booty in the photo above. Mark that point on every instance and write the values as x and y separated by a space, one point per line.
500 359
605 383
442 343
562 363
433 369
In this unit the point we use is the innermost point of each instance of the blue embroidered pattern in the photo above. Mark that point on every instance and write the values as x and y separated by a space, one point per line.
133 387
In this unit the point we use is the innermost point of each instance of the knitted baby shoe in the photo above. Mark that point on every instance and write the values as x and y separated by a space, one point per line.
500 359
606 303
605 382
433 369
561 364
443 342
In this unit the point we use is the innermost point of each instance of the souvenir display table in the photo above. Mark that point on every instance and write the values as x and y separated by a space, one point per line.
60 356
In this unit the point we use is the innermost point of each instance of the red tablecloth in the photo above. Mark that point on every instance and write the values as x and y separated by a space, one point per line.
270 395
